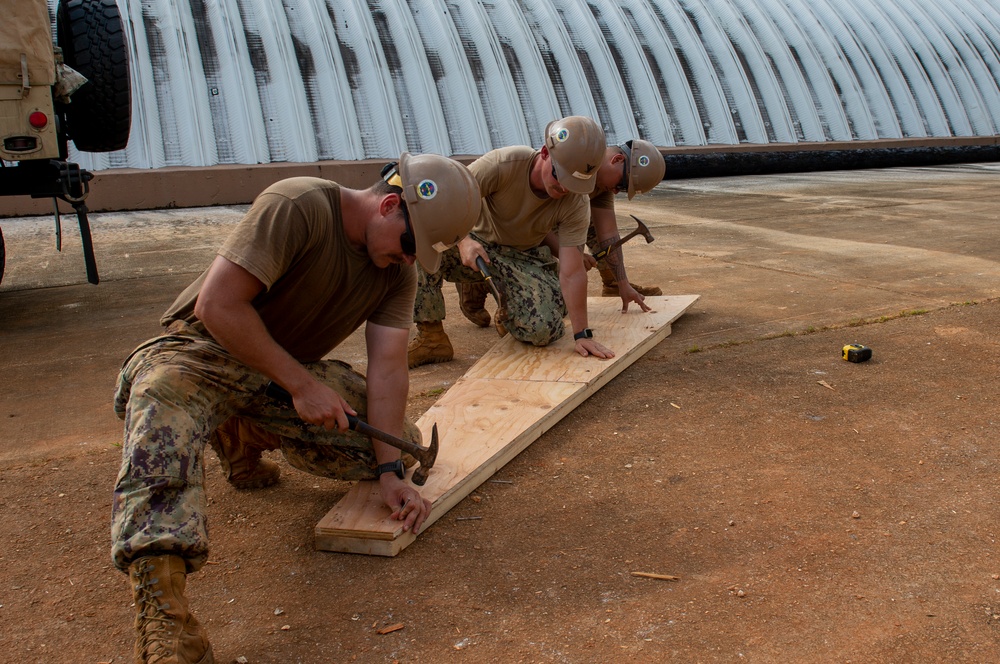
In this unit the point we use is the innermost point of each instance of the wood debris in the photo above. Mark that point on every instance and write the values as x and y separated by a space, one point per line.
652 575
391 628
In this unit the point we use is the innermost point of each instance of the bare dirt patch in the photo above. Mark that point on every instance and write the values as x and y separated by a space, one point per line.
812 509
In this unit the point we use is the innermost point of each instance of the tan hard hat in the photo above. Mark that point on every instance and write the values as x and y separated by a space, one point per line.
576 146
443 201
646 166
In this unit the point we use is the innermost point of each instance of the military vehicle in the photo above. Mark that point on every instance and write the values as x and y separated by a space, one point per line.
72 85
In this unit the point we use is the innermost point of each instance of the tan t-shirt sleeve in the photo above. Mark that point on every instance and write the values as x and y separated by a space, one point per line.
573 220
604 200
267 239
396 310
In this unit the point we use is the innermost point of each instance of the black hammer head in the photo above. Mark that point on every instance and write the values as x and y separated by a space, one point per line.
427 460
642 230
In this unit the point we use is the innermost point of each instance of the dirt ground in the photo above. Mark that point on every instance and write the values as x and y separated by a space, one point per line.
811 509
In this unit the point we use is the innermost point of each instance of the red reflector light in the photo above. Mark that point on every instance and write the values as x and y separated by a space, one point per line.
38 120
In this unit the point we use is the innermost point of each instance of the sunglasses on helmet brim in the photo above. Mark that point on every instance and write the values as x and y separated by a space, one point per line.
407 240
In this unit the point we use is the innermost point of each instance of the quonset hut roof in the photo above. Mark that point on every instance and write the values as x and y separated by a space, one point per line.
258 81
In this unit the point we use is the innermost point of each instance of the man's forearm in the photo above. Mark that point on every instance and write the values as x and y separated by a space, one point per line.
615 260
386 410
606 227
239 329
573 281
225 306
388 384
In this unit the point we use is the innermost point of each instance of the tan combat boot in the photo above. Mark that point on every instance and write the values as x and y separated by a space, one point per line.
166 631
611 286
471 298
431 345
240 458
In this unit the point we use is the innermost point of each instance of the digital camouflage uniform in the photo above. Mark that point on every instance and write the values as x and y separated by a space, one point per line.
175 391
512 225
529 278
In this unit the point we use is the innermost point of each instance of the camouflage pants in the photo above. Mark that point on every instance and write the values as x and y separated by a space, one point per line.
530 279
173 393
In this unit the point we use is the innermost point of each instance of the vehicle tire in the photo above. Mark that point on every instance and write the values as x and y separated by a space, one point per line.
92 37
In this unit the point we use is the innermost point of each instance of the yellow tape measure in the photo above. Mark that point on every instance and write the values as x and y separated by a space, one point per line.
857 353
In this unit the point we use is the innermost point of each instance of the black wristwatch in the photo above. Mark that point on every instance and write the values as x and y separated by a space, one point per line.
391 467
585 333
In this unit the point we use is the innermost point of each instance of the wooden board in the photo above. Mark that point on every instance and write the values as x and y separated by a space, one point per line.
509 398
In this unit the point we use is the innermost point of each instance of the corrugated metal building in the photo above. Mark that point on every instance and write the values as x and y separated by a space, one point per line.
262 81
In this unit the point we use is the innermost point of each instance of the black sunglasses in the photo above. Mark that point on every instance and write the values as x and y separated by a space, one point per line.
626 149
407 241
556 178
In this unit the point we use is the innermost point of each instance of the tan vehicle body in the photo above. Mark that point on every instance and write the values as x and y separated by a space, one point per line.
72 85
27 77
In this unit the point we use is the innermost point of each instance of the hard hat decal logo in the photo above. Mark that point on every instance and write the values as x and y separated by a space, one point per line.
562 135
427 189
644 160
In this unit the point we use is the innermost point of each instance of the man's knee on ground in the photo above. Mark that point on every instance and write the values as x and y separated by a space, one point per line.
536 333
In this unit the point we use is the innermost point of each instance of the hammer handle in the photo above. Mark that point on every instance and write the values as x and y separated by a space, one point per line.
485 271
399 443
640 230
607 250
276 391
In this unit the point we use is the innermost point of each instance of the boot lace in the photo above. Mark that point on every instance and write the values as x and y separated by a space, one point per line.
151 622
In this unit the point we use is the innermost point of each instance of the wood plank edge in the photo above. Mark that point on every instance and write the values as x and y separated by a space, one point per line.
363 546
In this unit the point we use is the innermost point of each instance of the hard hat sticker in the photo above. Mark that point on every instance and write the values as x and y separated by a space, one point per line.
644 160
427 189
562 135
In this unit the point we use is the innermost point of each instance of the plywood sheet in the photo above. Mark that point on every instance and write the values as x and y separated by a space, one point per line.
509 398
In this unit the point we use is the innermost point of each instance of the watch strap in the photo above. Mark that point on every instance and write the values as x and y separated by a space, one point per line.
585 333
391 467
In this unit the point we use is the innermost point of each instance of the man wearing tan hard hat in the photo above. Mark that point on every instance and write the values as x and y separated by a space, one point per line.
309 263
634 167
527 194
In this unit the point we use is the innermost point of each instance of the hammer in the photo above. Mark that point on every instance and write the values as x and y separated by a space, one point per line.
498 295
425 455
485 271
640 230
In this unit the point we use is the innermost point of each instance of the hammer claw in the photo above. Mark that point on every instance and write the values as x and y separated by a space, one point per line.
642 230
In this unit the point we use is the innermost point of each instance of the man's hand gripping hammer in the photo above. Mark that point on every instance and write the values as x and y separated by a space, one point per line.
425 455
640 230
